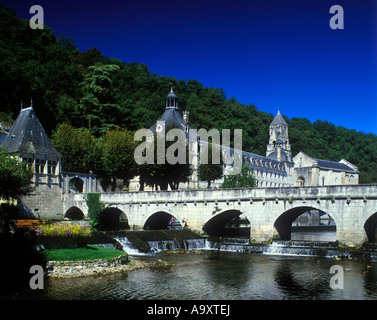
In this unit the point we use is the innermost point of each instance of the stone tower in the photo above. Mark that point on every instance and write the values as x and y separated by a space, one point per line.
278 145
28 140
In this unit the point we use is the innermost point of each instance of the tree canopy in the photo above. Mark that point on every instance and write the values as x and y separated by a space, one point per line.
89 90
15 177
245 179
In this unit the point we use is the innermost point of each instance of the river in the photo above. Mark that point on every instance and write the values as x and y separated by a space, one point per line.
224 275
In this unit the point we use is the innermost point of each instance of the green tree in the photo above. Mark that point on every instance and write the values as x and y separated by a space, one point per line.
95 208
78 147
245 179
210 171
97 103
15 178
165 175
117 158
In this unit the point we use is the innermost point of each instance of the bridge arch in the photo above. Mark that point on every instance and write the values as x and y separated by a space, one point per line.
161 220
112 219
370 226
283 224
217 225
74 213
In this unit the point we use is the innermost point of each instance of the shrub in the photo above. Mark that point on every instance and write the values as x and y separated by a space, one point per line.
95 207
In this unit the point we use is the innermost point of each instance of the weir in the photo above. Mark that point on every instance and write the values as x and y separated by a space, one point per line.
242 245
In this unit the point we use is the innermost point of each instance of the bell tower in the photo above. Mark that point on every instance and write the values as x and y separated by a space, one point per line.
279 140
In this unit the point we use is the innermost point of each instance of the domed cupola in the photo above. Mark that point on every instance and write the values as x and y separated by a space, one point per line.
171 100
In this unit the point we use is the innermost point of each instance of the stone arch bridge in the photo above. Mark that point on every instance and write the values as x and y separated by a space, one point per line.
270 211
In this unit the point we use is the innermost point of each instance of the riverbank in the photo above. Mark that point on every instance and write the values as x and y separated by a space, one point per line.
97 267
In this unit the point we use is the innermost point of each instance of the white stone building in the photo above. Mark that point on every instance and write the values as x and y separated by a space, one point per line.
315 172
277 168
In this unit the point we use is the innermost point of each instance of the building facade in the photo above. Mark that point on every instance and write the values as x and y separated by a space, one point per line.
315 172
273 170
28 140
276 169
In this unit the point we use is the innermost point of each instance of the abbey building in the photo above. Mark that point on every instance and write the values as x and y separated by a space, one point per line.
277 168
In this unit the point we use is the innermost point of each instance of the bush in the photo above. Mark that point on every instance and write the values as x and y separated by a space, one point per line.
95 208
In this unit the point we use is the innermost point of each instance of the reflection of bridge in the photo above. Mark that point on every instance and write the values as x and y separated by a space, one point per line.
270 211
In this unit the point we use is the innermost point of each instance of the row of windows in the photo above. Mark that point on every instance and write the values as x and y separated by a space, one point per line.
267 184
39 165
268 175
267 164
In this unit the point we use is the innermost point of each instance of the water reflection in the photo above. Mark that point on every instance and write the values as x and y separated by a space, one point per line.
223 276
306 280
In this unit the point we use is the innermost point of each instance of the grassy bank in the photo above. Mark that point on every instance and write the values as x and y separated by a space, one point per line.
88 252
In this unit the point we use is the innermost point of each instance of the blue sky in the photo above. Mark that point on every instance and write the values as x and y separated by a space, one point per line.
276 54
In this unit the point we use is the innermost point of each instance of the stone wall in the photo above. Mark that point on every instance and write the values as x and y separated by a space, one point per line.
44 203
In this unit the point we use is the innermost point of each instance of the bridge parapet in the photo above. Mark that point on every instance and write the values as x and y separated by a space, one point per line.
255 194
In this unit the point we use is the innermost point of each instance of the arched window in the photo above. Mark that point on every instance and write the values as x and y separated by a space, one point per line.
300 182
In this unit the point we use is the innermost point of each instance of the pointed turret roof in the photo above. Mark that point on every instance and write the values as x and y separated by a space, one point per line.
28 136
278 120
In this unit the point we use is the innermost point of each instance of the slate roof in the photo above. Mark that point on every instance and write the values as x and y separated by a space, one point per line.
334 166
28 136
283 156
278 120
171 117
258 160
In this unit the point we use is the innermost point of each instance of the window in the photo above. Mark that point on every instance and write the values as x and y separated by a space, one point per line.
39 165
51 167
300 182
29 161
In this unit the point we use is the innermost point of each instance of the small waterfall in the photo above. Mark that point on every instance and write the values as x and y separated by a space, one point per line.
128 246
301 248
189 244
234 245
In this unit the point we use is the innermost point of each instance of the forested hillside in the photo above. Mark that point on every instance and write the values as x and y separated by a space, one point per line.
89 90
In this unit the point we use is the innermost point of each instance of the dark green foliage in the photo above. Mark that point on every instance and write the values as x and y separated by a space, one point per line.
87 89
77 146
164 175
15 177
210 171
245 179
95 208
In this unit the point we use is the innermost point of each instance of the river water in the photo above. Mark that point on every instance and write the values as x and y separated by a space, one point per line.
224 275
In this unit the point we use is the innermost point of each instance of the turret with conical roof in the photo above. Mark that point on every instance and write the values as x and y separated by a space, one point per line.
278 146
29 141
